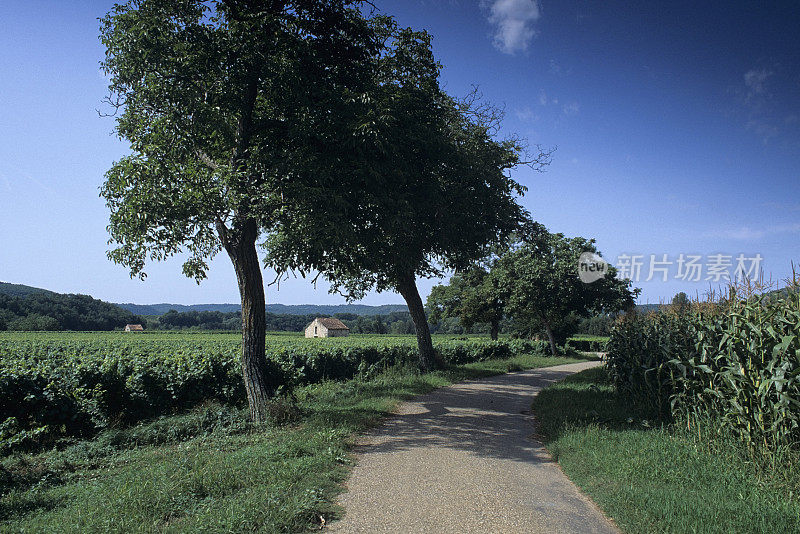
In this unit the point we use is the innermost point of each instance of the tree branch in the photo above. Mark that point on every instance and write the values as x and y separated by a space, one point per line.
210 163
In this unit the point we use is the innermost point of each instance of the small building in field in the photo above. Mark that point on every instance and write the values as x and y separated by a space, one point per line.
327 327
134 328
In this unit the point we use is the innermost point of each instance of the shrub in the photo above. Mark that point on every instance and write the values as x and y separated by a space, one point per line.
58 385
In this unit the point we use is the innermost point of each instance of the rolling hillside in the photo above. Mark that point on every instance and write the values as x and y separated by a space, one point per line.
22 291
292 309
19 290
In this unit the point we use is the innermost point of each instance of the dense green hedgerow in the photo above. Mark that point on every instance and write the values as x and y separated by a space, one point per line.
54 385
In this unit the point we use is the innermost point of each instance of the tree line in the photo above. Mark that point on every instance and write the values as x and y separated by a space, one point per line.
534 286
45 311
54 311
392 323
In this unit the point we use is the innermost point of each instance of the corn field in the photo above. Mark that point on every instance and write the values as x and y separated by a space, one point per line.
734 359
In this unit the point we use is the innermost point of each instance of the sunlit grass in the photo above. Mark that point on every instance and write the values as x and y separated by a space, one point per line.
652 478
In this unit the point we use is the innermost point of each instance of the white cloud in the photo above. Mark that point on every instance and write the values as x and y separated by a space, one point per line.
513 23
542 98
557 69
746 233
763 128
764 115
754 80
571 109
526 114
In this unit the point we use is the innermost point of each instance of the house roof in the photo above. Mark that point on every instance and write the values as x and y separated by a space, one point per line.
331 323
134 327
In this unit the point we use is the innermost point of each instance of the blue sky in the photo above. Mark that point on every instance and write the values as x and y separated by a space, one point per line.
677 127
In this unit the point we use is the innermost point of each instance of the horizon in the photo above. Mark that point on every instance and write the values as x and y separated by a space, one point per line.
677 130
268 304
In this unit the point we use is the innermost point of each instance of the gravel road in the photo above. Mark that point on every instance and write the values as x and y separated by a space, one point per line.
462 459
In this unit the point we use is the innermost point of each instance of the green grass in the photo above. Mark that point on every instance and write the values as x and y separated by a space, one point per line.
210 469
654 478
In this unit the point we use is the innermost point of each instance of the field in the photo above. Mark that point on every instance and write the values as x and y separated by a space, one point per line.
203 466
55 386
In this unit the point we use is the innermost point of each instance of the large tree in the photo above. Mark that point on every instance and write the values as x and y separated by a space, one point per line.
472 296
231 108
449 196
539 280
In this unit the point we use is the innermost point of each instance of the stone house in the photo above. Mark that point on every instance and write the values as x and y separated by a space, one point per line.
326 327
134 328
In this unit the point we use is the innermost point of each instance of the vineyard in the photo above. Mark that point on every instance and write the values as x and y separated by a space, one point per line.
54 385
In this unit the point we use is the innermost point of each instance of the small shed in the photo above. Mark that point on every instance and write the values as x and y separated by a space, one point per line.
134 328
327 327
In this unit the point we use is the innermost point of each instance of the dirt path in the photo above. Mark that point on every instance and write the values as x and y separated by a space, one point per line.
462 459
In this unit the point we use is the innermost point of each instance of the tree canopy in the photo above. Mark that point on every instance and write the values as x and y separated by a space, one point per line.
233 110
227 107
472 296
539 279
45 310
436 192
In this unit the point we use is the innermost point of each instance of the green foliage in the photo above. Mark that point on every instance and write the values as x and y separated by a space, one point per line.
19 290
588 343
639 353
210 469
471 296
543 293
56 385
737 361
443 197
230 109
596 325
448 196
681 302
394 323
48 311
650 477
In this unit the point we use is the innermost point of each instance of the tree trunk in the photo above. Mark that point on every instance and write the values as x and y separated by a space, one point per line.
428 358
495 332
552 339
258 383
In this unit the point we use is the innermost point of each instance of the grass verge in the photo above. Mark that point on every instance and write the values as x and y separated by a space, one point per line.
654 478
211 470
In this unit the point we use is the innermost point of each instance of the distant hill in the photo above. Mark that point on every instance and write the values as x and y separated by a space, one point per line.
292 309
330 309
783 293
22 291
161 309
19 290
30 308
